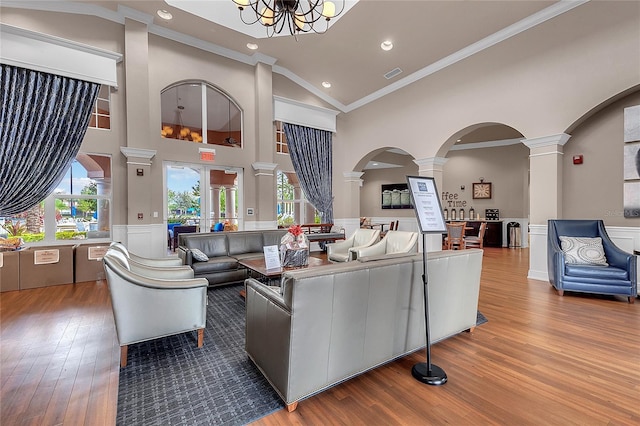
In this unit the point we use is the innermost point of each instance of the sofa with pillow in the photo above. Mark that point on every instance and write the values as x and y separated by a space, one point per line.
581 257
329 324
216 255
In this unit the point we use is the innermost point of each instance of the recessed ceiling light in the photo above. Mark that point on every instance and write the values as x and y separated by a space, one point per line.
326 84
252 46
165 14
386 45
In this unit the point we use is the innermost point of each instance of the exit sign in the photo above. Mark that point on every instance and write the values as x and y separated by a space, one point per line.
207 154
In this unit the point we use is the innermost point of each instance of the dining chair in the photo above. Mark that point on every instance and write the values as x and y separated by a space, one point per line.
455 235
393 226
476 241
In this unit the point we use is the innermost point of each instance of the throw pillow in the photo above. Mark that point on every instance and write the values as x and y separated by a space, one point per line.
199 255
583 250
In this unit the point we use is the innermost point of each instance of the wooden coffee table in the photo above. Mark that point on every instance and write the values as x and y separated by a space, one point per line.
257 266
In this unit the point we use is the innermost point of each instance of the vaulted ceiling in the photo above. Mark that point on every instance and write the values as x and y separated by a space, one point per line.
427 36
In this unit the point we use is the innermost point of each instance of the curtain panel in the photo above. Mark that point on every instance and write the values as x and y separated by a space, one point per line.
43 120
312 158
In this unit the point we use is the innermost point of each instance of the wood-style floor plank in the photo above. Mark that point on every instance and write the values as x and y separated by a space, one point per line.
541 359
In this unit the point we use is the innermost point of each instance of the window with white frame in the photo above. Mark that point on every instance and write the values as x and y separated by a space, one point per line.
292 207
79 208
281 140
101 113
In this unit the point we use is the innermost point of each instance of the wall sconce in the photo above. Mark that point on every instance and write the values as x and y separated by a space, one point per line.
461 187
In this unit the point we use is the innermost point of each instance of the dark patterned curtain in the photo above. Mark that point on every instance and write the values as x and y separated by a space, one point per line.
311 155
42 123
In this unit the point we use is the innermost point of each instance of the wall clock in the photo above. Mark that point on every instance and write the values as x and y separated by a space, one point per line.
482 190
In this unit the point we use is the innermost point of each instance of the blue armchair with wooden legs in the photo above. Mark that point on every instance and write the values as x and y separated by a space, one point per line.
581 257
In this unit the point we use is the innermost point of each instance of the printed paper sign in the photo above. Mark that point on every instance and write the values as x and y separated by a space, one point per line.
43 257
427 204
271 257
97 253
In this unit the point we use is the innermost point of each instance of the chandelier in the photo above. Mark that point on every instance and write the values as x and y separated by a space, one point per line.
182 133
295 16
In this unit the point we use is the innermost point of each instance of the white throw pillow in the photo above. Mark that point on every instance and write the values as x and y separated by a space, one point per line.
583 250
199 255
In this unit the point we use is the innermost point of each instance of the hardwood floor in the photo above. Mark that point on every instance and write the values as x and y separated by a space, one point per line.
541 359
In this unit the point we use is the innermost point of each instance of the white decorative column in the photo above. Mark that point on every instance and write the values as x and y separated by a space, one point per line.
432 167
545 196
351 202
265 196
231 202
142 235
215 196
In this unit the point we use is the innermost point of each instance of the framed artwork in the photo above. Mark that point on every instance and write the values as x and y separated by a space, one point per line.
396 196
481 190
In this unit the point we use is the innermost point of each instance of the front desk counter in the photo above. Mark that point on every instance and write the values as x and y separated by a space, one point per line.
492 235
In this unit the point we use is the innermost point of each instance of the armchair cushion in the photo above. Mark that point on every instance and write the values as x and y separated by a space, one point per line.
583 250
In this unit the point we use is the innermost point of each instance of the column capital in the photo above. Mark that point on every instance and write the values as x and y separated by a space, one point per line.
546 141
352 176
264 169
138 154
430 164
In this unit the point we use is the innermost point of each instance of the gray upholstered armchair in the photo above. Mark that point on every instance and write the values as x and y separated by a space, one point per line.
394 244
344 251
163 302
163 261
616 275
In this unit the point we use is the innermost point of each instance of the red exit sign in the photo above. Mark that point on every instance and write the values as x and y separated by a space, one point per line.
207 154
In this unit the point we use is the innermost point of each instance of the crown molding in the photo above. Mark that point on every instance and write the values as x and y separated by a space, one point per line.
486 144
546 141
529 22
524 24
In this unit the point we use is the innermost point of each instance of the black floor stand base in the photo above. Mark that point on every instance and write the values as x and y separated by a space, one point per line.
434 376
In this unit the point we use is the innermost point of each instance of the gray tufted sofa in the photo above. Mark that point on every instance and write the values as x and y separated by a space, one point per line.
328 324
224 250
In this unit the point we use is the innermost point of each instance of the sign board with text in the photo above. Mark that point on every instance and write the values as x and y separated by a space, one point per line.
427 204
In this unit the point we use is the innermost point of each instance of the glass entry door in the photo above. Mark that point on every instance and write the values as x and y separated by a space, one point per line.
208 197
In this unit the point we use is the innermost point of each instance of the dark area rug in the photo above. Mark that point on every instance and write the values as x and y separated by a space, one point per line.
480 319
171 381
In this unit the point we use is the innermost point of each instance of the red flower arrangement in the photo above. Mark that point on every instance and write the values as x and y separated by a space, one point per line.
295 230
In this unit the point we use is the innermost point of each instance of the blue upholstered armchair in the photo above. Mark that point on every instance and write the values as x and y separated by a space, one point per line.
618 277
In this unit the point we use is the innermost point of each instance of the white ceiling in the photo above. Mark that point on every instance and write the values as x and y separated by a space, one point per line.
428 36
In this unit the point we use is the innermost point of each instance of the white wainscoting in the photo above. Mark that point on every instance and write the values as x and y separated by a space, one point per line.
255 225
143 240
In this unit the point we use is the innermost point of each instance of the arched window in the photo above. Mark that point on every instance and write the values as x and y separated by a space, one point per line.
198 112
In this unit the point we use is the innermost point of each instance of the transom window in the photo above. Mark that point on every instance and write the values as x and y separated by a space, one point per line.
281 140
101 113
198 112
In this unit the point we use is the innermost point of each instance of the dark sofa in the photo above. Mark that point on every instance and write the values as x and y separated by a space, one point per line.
225 250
